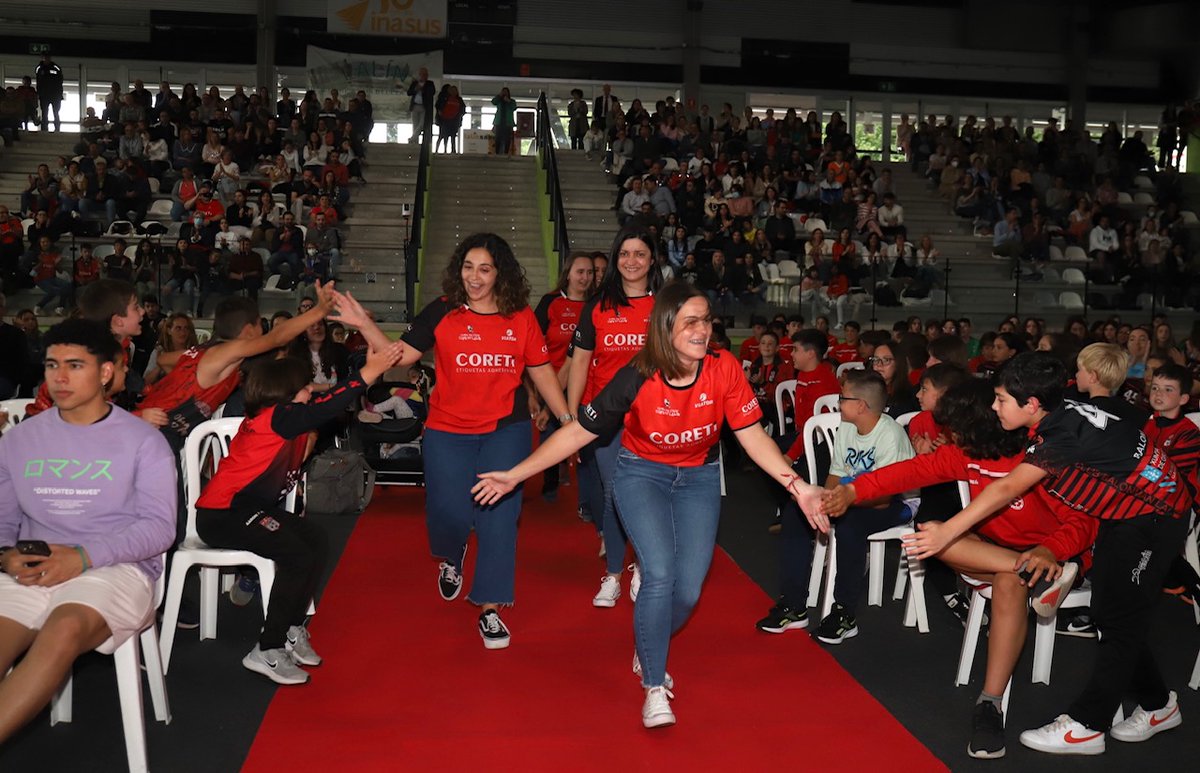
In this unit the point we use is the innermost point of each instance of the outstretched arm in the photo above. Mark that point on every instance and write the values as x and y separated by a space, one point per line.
224 357
351 313
493 486
934 536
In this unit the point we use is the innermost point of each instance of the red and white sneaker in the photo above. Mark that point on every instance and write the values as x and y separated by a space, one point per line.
1048 595
1143 725
1064 736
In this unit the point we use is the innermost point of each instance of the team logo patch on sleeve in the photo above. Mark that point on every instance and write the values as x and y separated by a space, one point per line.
750 406
590 412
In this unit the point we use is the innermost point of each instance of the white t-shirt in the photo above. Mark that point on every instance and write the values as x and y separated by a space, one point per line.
854 454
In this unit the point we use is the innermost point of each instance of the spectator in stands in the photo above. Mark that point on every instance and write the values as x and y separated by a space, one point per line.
41 192
505 121
87 268
1103 242
287 251
327 242
72 186
12 245
226 175
421 93
49 78
184 196
659 196
185 152
103 191
631 202
891 216
245 270
715 281
1006 238
52 275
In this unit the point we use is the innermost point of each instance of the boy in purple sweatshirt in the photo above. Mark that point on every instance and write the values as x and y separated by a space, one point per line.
95 485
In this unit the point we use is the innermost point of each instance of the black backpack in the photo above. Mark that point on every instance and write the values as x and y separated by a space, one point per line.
339 482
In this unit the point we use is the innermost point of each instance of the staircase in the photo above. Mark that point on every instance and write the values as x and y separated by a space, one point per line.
374 230
588 197
470 194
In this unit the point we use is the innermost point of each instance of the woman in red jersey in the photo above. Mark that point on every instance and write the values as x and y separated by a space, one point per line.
485 338
558 315
611 330
672 401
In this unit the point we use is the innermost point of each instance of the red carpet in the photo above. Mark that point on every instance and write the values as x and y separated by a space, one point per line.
407 684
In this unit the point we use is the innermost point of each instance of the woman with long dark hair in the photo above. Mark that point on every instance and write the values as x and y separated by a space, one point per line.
672 400
558 315
612 329
485 338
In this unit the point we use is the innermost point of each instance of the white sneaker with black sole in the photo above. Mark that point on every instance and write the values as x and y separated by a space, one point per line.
275 664
493 631
610 591
300 647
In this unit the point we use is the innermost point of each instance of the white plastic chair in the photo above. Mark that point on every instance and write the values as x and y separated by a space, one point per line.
813 223
826 404
1056 252
1073 276
788 388
1124 198
15 408
272 286
1142 181
1189 217
129 686
159 208
847 366
826 424
1143 199
102 251
789 270
193 552
1075 252
1071 301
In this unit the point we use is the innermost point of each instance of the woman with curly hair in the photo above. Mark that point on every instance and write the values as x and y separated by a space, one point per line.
612 329
175 336
485 338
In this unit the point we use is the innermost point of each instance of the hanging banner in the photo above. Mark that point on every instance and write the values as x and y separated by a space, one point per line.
391 18
385 78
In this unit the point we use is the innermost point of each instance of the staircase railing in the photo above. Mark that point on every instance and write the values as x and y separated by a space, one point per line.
414 221
544 137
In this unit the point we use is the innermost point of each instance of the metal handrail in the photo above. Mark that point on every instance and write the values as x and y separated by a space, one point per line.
544 136
414 230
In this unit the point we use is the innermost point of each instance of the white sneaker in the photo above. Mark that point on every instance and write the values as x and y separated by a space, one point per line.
635 582
1143 725
275 664
668 682
610 591
656 711
1064 736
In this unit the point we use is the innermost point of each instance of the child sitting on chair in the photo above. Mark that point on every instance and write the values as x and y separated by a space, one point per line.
382 402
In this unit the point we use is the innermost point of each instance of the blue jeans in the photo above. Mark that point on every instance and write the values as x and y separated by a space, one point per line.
602 465
671 515
452 462
853 528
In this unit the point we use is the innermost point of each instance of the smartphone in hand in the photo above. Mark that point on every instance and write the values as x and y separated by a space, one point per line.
33 547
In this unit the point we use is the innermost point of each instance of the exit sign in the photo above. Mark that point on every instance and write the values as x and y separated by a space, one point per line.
889 86
39 48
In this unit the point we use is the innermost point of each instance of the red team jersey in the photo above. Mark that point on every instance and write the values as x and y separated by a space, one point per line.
558 316
677 426
843 353
613 336
480 359
810 385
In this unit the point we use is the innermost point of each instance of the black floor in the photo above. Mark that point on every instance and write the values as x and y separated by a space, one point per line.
217 705
912 674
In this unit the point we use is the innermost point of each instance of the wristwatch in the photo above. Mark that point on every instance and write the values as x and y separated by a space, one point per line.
566 418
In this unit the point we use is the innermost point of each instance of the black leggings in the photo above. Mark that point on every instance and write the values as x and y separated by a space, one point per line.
298 547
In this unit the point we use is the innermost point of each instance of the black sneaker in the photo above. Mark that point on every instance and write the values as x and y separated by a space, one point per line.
493 631
783 618
1080 624
960 606
189 615
987 732
449 581
838 626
